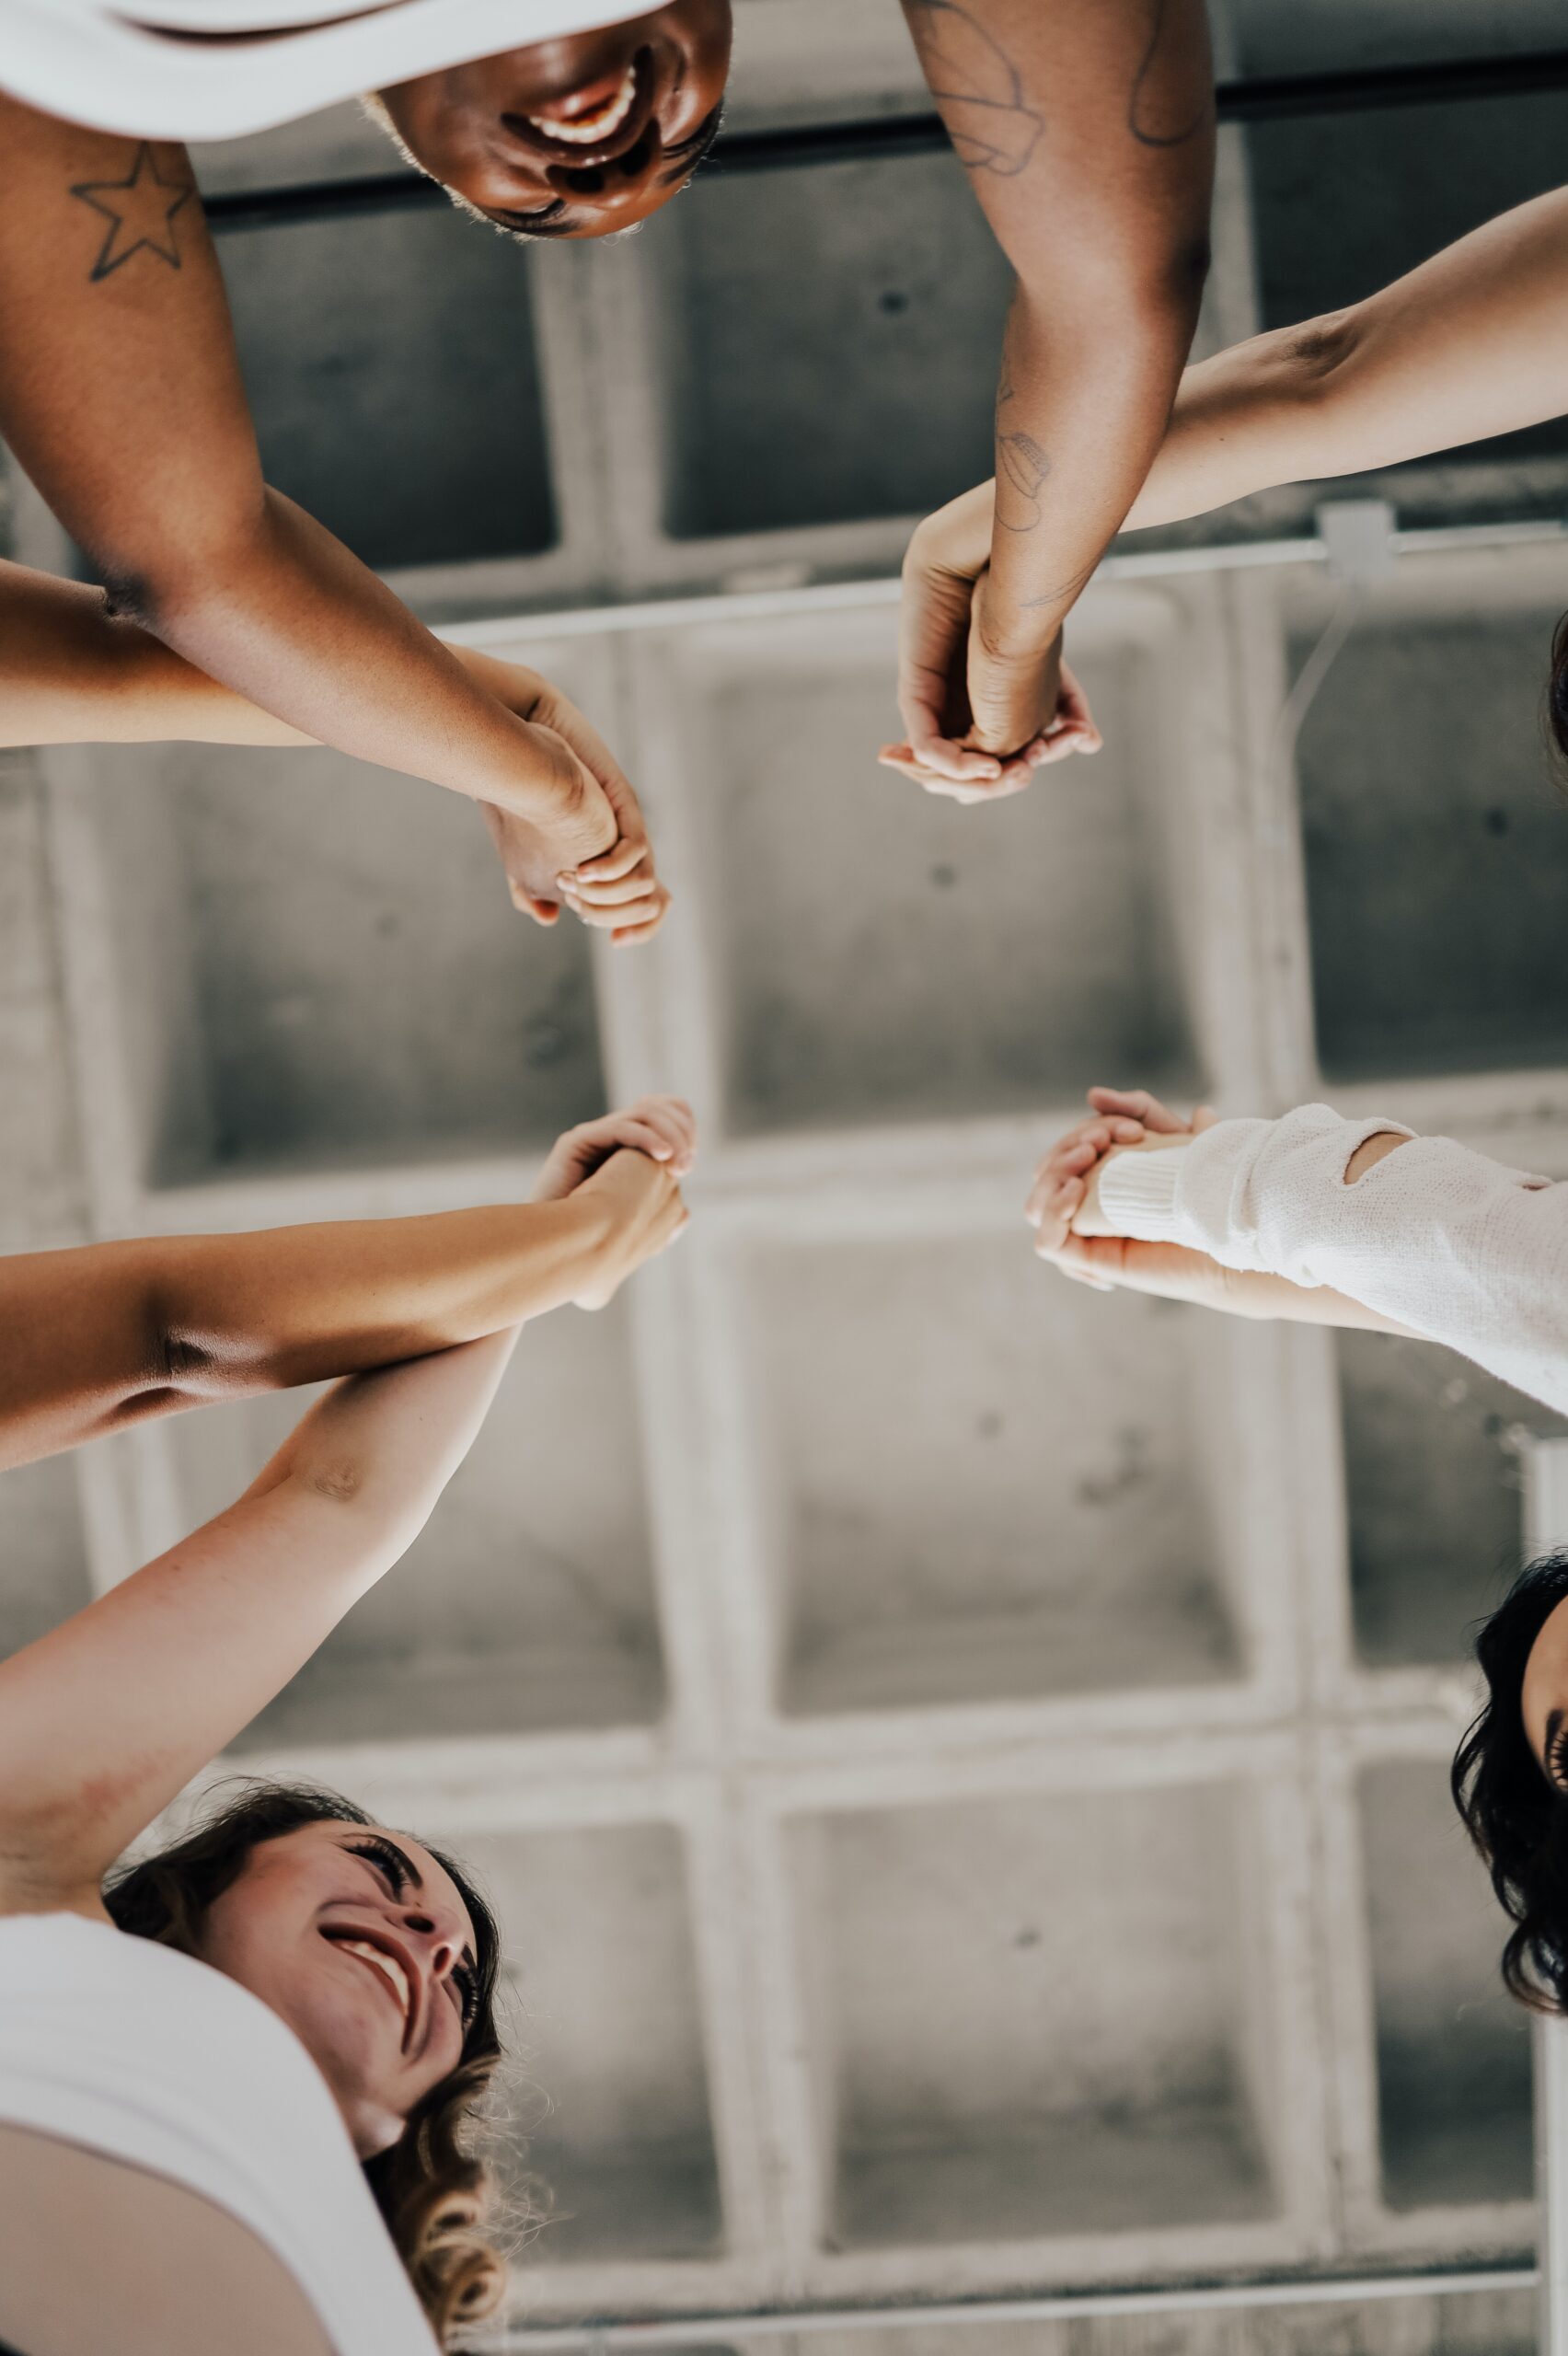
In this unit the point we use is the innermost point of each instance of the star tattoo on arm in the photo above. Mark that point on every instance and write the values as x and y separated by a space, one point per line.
140 211
977 87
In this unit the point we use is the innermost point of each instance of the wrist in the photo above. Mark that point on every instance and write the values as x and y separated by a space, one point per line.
536 778
587 1225
1134 1189
955 539
556 1251
516 688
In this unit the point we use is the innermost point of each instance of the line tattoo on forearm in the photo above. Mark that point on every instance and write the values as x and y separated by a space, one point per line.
1062 592
1021 464
139 210
1141 112
977 87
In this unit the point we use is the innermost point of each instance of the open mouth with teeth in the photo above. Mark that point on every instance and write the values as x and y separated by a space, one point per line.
386 1966
566 131
595 122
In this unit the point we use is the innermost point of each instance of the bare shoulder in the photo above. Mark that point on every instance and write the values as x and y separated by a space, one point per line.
79 2227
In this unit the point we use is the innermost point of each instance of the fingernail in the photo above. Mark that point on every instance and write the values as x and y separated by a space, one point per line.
568 876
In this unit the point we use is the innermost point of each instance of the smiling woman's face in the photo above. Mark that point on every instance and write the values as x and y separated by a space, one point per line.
359 1939
574 137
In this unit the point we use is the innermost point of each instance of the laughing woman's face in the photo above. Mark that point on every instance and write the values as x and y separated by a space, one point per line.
359 1939
574 137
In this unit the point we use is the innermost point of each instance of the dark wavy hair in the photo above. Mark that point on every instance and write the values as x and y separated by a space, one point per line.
431 2188
1516 1818
1555 704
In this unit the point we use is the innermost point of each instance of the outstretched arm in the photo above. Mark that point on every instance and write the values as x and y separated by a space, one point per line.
105 1720
1427 1236
1473 344
1073 1231
1088 138
109 1333
74 672
121 395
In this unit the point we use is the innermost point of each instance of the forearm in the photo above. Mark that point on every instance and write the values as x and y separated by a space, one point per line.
1275 1299
1266 411
1270 411
110 1333
105 1719
73 672
1473 344
1088 138
1451 1245
294 1305
1081 409
290 621
382 1446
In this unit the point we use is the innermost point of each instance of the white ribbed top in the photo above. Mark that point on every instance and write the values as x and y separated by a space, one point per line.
131 2049
136 68
1461 1248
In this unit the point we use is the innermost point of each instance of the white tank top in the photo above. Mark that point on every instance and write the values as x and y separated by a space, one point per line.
150 2057
142 68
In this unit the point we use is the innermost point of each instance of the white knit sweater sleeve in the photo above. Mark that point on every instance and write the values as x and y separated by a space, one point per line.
1459 1248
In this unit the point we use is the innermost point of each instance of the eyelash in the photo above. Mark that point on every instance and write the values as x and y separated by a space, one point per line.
381 1853
1557 1759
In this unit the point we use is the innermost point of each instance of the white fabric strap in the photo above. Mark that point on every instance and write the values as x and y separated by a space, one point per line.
1137 1192
93 62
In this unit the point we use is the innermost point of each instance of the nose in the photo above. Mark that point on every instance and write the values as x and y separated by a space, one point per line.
619 186
443 1947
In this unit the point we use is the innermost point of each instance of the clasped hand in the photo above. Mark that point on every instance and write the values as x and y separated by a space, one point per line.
595 856
1071 1230
983 706
628 1167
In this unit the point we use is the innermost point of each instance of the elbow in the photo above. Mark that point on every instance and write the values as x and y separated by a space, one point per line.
340 1480
163 576
179 1356
364 1492
1315 356
160 592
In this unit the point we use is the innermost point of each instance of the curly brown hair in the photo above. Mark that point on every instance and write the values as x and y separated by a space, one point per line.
1514 1814
432 2190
